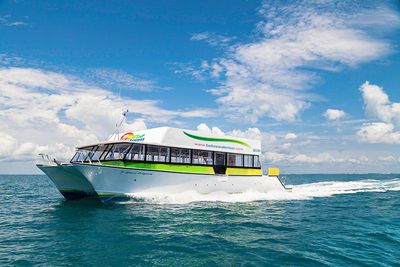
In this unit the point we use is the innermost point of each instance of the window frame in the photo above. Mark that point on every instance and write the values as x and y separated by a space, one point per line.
130 150
252 160
167 156
80 150
98 147
235 154
110 146
200 150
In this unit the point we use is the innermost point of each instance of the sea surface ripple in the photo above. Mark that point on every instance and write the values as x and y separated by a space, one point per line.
328 220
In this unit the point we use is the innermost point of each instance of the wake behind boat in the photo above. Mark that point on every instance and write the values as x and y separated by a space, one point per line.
162 160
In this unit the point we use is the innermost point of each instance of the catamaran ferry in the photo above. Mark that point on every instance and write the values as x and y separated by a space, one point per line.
162 160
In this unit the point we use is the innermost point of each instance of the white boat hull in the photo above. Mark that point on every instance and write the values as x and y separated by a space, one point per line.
75 181
69 181
109 182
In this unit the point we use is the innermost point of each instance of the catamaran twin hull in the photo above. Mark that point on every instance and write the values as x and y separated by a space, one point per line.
162 160
76 181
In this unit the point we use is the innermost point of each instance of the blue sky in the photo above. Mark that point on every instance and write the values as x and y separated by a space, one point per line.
317 81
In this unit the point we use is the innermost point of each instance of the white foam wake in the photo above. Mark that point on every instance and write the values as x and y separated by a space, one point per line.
299 192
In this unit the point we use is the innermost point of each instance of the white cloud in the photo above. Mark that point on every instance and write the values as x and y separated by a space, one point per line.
378 105
44 111
274 157
323 157
250 133
7 20
378 132
387 158
212 38
300 158
203 128
290 136
266 77
111 78
7 144
334 114
17 23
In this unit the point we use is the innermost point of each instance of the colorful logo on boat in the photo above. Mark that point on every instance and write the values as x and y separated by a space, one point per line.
129 136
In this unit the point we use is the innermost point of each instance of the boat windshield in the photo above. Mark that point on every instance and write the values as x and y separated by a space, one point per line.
83 154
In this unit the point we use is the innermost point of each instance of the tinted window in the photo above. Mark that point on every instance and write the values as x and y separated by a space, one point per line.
202 157
95 156
248 160
82 154
106 149
256 162
219 158
117 152
157 153
235 160
136 152
180 155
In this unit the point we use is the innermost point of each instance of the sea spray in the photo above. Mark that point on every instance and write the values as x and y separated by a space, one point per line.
298 192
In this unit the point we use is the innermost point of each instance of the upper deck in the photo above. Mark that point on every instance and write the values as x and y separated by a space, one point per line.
175 137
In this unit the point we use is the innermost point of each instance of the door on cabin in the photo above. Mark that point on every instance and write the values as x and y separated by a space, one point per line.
220 162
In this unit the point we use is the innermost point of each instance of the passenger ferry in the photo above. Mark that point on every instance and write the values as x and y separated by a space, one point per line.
162 160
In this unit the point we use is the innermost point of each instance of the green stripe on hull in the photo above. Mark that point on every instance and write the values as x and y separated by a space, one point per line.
211 139
161 167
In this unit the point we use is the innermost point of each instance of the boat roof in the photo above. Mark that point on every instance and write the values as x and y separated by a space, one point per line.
176 137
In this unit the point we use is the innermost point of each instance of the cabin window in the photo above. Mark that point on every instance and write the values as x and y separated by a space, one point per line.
97 154
180 155
219 159
257 162
157 153
117 152
202 157
136 152
90 154
247 160
79 156
106 149
82 154
75 158
235 160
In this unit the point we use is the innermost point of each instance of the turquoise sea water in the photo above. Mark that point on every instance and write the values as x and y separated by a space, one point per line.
328 220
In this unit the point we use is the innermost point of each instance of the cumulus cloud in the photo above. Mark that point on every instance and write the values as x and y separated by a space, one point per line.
250 133
44 111
203 128
378 105
267 77
334 114
378 133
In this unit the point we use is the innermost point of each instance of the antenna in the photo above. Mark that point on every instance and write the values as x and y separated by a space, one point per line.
118 126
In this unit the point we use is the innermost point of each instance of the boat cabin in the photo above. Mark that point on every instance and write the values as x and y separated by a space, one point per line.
167 145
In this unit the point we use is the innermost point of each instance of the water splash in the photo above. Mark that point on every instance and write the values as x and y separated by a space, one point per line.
298 192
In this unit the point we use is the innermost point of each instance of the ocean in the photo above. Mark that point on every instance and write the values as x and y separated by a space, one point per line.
328 220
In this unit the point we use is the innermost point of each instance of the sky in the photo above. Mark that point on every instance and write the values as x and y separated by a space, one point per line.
317 81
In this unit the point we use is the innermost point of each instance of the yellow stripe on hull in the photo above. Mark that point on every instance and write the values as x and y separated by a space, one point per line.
243 171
